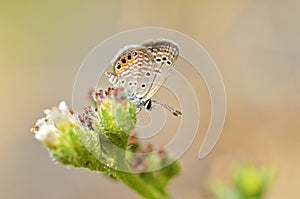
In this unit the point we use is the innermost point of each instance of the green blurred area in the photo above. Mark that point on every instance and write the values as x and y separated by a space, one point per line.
248 182
255 44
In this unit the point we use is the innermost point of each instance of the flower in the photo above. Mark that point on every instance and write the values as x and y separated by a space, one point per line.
47 128
98 139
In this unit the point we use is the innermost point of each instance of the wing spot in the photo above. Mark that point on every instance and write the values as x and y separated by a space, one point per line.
123 60
148 74
143 85
129 56
118 66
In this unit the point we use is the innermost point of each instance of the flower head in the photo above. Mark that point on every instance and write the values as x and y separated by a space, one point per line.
47 128
99 139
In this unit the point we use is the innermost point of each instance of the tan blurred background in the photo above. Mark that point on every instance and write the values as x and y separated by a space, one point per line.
254 43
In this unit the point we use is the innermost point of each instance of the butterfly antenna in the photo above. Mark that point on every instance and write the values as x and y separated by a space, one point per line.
175 112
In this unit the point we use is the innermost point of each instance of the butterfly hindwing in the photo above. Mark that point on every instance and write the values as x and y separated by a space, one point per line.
165 54
133 69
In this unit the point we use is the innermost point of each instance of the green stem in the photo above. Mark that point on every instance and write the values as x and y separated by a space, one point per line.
133 181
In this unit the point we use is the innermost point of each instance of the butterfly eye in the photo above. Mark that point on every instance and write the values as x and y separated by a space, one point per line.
148 104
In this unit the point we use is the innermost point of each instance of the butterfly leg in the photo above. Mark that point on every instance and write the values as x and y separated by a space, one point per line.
138 109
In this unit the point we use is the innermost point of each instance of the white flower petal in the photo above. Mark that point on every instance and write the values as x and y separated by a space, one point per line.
41 122
63 106
45 129
46 133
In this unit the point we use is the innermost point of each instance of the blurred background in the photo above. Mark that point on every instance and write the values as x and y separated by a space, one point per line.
255 44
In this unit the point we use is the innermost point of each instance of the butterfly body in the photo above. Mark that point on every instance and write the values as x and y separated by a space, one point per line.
142 69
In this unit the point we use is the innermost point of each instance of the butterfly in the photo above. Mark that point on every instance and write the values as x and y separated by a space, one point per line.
142 69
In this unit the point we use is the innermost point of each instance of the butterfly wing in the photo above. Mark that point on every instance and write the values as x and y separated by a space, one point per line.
164 54
142 69
133 69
